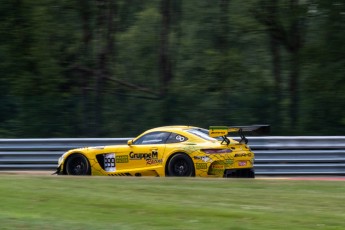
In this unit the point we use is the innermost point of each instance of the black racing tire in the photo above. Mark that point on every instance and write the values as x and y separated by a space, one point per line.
77 164
180 165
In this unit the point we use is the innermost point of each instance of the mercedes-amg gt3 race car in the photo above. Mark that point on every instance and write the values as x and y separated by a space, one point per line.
168 151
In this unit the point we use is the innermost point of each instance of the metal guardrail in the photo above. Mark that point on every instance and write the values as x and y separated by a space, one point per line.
302 155
276 155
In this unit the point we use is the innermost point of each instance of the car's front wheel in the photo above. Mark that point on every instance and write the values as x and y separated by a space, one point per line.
77 164
180 165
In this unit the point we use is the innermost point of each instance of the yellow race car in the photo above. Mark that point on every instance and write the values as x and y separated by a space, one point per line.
167 151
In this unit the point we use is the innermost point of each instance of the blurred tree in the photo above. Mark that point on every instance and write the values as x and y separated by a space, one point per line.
324 73
285 23
268 15
165 66
115 68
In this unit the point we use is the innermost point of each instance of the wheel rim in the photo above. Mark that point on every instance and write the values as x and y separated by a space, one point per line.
77 166
181 168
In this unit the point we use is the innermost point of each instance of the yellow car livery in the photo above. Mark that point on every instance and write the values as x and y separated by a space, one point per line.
167 151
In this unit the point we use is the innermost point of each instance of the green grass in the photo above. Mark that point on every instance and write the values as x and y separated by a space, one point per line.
54 202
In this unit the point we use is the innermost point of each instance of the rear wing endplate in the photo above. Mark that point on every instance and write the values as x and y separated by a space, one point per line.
223 131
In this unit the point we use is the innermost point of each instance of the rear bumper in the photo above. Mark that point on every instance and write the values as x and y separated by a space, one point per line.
239 173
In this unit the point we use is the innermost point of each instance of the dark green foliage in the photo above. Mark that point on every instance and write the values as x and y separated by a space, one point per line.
113 68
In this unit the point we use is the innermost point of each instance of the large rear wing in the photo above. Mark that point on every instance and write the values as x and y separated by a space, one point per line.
223 131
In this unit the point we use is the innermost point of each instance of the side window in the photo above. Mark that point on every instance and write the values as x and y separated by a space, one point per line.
152 138
176 138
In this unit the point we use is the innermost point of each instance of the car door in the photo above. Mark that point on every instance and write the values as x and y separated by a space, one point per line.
148 150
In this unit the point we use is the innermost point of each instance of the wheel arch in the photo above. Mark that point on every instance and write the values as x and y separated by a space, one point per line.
72 154
169 158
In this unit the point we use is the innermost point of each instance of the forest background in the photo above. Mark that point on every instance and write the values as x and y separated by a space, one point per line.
114 68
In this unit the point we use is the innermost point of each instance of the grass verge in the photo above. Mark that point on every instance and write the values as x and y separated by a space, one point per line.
54 202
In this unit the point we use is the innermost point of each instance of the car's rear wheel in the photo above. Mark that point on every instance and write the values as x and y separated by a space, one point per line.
77 164
180 165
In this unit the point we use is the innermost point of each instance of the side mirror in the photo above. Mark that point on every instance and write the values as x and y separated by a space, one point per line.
129 142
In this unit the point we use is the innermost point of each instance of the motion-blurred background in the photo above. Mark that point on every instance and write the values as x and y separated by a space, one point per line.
113 68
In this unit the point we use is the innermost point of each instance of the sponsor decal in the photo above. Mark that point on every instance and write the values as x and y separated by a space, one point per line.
145 156
154 161
243 155
201 166
180 138
217 166
219 132
217 171
242 163
229 161
203 158
121 159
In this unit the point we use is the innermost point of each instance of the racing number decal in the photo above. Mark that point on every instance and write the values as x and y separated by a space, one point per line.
109 162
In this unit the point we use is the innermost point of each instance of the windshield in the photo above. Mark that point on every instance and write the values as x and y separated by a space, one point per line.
203 133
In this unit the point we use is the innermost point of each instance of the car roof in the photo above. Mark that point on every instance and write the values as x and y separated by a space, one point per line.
171 128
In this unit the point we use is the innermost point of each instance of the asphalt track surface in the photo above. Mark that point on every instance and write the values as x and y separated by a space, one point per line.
304 178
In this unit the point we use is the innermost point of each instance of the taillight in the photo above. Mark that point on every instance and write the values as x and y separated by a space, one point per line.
216 151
